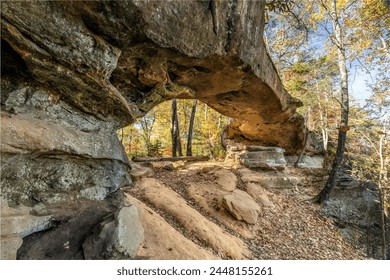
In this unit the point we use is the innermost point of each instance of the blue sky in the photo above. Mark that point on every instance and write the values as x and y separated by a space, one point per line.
358 84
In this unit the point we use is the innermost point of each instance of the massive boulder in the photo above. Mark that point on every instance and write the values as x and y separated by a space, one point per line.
73 72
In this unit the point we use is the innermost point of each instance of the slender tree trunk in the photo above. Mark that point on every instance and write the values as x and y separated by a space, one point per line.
186 158
185 110
175 131
308 118
306 135
299 159
122 135
382 196
173 128
325 131
130 143
191 129
330 184
178 141
383 222
325 137
322 119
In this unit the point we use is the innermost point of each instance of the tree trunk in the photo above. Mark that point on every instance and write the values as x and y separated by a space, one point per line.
299 159
382 196
383 222
178 141
151 159
173 128
330 184
322 119
325 137
324 194
175 131
191 129
122 135
306 135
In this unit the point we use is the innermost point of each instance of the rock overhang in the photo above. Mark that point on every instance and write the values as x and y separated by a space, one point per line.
73 72
117 60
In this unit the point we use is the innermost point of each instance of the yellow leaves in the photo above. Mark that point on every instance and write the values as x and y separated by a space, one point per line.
342 4
364 44
381 97
374 10
317 17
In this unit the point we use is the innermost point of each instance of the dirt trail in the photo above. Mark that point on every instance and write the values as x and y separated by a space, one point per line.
183 212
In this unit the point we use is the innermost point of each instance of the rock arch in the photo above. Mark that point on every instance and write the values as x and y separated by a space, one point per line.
73 72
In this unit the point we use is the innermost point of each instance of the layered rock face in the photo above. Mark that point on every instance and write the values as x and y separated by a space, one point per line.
117 60
74 72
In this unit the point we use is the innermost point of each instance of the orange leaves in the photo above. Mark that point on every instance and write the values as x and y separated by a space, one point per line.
344 128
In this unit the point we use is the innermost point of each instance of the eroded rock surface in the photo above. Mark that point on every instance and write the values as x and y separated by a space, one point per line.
73 72
272 180
86 229
193 223
163 242
16 223
117 60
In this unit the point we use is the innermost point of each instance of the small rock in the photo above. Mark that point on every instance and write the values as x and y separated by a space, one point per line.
259 194
266 158
242 206
168 167
118 236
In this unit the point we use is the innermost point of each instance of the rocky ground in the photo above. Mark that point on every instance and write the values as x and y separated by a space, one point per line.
213 210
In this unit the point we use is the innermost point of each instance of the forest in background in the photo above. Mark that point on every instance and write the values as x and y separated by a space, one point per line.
151 135
318 48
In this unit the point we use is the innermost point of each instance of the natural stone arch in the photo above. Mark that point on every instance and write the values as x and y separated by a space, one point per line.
85 69
226 84
117 67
